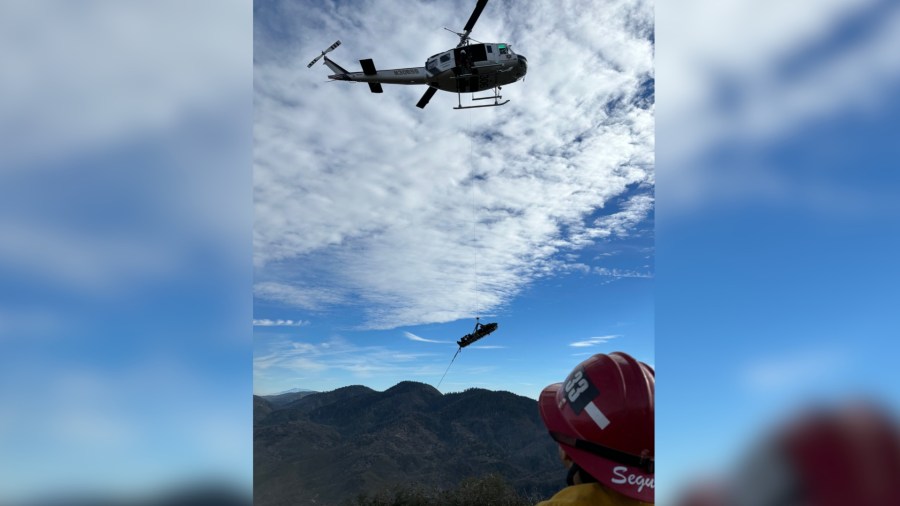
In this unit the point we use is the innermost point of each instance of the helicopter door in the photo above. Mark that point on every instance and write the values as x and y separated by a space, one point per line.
470 55
478 52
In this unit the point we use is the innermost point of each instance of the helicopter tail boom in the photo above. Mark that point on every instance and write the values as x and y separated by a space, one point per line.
375 77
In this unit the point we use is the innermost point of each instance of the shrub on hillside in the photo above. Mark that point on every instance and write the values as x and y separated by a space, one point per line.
490 490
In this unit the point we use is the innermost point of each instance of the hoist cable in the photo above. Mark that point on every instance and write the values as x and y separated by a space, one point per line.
474 223
448 367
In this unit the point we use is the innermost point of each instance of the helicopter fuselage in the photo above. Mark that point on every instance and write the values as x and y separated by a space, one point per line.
470 68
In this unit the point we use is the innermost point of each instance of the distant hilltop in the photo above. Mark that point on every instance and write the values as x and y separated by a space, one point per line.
283 398
294 391
329 447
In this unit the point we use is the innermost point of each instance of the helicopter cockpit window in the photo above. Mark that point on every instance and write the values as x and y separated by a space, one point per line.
445 58
432 66
503 49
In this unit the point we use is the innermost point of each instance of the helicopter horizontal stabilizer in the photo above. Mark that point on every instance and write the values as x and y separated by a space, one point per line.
368 67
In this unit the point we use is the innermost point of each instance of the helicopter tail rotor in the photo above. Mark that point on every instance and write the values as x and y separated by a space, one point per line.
330 49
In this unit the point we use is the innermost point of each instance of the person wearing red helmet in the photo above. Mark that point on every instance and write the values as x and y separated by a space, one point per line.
602 419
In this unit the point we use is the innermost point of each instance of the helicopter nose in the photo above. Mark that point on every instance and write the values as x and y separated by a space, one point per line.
523 65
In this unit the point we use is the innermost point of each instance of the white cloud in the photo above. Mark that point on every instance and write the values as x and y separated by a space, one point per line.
424 216
593 341
304 297
620 273
334 355
633 212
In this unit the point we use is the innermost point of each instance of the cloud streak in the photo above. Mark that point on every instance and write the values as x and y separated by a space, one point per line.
413 337
593 341
279 323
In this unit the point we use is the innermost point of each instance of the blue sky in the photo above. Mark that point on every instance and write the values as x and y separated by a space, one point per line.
382 230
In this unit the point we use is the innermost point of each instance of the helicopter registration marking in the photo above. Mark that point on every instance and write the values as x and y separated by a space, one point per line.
402 72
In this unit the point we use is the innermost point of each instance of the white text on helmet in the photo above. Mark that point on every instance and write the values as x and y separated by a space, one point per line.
632 479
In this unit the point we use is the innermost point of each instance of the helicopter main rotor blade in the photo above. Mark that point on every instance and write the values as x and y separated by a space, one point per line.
426 97
474 17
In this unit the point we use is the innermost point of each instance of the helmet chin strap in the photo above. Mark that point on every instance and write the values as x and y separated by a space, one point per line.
583 476
570 476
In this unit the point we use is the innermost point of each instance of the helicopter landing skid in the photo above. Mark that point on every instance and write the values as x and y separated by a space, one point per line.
496 97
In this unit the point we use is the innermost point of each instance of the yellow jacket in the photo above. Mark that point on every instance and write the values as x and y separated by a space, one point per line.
589 494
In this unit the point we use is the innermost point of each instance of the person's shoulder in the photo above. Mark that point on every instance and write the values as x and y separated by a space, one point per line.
588 494
576 495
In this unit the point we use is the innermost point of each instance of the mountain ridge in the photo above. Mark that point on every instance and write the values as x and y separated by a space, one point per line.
328 447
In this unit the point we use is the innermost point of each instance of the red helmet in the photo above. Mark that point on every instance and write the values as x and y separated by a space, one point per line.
602 415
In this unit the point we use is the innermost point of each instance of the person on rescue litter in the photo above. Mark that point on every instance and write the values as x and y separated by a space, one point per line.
602 419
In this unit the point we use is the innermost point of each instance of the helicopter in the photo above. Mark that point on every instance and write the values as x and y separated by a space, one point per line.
467 68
